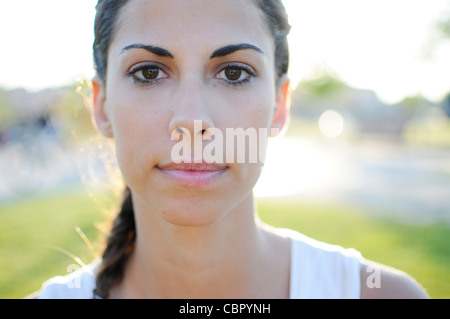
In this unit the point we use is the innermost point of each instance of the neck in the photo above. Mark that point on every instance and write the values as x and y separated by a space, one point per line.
214 260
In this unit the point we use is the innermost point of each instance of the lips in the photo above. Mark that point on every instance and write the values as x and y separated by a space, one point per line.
193 174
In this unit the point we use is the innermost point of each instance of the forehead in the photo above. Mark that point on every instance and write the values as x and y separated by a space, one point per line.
204 24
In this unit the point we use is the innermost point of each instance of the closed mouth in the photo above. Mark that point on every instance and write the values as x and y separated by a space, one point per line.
193 174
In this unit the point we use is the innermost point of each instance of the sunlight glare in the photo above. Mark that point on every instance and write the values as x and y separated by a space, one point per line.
331 124
297 166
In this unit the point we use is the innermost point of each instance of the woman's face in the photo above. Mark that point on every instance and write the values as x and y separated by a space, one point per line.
175 62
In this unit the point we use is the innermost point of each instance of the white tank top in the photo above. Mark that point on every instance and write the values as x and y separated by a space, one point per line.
318 271
322 271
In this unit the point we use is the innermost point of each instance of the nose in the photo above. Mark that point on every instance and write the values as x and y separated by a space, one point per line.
191 115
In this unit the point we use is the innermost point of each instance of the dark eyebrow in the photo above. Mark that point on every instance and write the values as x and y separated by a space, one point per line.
155 50
228 49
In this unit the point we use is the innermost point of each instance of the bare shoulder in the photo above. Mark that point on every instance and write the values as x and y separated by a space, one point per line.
383 282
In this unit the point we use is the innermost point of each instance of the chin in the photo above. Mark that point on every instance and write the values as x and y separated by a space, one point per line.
192 215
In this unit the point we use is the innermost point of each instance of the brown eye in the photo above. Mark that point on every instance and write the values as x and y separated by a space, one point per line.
236 74
147 74
233 74
150 73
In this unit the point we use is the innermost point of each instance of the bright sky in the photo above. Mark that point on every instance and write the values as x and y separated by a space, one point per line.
384 45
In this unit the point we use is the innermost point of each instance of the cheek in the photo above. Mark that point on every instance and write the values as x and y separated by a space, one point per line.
250 109
138 130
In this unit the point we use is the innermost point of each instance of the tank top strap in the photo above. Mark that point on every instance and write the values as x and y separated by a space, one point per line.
323 271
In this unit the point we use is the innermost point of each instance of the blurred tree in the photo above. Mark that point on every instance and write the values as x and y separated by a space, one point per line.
415 104
325 85
443 26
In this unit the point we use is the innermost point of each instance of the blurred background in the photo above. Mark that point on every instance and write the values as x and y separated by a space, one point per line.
368 145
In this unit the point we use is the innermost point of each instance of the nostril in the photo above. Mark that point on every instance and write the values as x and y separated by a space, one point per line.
207 134
179 133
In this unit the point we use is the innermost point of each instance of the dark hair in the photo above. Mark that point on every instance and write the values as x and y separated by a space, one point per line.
121 239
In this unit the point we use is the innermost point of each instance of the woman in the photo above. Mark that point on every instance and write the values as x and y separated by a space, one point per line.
171 72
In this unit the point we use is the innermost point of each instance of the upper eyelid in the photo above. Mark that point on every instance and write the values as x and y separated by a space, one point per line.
241 65
134 69
142 65
251 75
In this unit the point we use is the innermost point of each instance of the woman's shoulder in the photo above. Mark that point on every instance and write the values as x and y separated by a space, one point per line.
370 280
382 282
322 270
305 244
79 284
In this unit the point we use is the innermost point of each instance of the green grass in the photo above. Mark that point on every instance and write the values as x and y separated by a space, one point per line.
36 235
31 229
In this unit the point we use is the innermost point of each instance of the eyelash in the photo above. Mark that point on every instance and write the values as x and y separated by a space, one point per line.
144 67
250 74
236 83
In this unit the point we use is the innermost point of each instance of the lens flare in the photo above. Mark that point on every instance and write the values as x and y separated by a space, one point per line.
331 124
